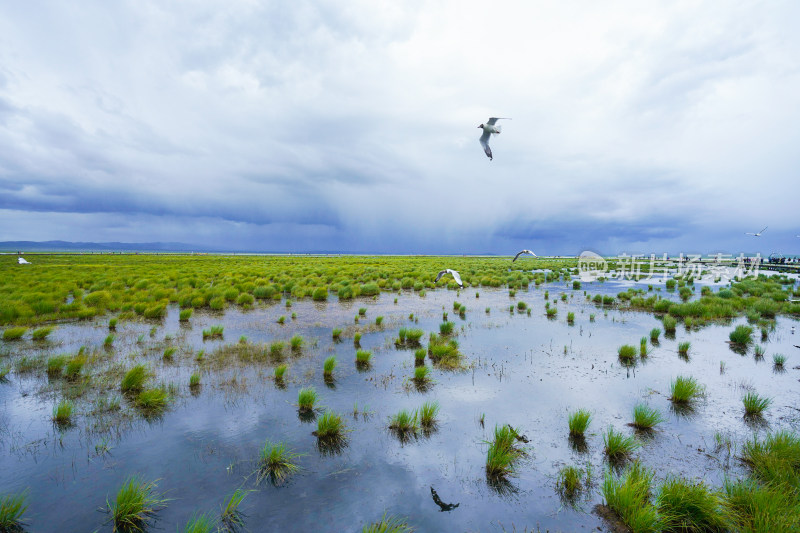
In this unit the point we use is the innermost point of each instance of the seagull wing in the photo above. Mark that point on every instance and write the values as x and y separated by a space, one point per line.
492 120
763 230
750 234
442 273
456 277
517 256
485 143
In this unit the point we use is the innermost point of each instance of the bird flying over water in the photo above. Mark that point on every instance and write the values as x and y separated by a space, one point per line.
488 129
453 273
759 233
524 252
22 261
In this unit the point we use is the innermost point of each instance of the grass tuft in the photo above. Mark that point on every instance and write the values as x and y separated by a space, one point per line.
388 524
742 335
306 399
617 446
12 510
684 390
276 463
428 413
329 426
578 422
135 504
328 366
63 412
755 405
646 417
134 379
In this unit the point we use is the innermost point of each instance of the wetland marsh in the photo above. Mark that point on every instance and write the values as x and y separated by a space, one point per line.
286 393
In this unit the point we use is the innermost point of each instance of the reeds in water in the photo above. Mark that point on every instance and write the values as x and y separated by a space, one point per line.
618 446
646 417
578 421
12 510
276 462
685 389
135 504
755 405
306 399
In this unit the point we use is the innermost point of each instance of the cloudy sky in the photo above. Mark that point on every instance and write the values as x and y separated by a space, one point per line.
299 125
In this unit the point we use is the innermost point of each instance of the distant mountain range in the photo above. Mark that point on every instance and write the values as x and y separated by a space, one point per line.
66 246
177 247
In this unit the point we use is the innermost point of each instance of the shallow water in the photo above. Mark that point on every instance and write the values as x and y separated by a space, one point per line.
527 371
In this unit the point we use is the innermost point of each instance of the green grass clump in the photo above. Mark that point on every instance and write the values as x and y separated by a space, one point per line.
742 335
629 497
231 517
306 399
201 523
627 353
413 336
336 334
776 459
570 317
55 365
134 379
42 333
296 342
551 312
276 349
669 323
758 351
329 426
328 366
152 399
428 413
421 375
62 412
755 507
569 481
4 370
13 334
357 339
419 356
388 524
646 417
617 446
778 360
12 509
683 390
578 422
74 366
654 334
683 348
685 506
280 370
378 321
109 341
276 463
282 320
185 315
169 353
502 455
214 332
112 324
446 328
194 380
363 357
404 422
755 405
362 311
136 502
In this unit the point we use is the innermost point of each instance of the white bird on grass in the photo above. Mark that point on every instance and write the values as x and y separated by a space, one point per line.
759 233
22 261
488 129
524 252
453 273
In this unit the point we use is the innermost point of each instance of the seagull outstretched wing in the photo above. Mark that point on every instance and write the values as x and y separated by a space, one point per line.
523 252
485 143
451 272
492 120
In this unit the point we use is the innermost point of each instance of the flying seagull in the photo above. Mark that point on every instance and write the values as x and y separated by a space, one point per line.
488 129
759 233
455 276
22 261
523 252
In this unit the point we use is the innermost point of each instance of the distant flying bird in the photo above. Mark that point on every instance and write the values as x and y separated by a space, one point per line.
759 233
454 274
524 252
22 261
488 129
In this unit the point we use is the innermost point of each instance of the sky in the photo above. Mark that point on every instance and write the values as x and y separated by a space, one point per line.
637 126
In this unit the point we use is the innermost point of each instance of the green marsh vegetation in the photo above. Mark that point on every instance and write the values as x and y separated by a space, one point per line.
13 334
185 315
683 348
627 354
214 332
778 360
405 423
419 356
646 417
755 405
684 390
654 334
201 523
279 372
306 399
617 446
388 524
136 503
422 375
444 352
12 510
135 379
41 334
336 334
741 335
296 343
231 517
578 422
503 454
276 463
363 358
327 367
428 413
571 480
330 426
62 412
